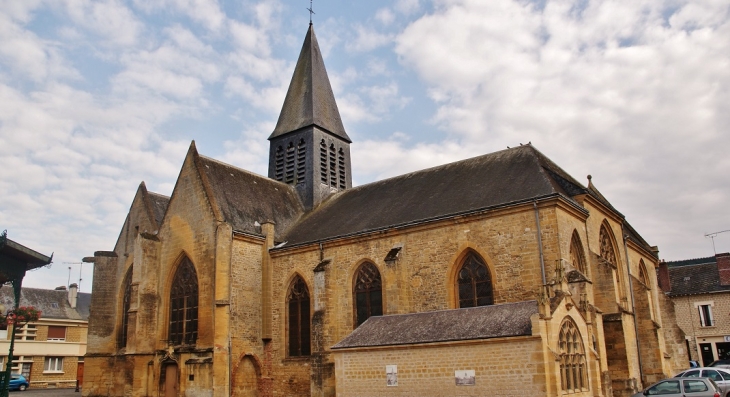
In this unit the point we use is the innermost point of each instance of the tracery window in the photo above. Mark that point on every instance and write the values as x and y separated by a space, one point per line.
299 327
642 274
573 369
607 251
184 305
368 293
126 300
577 258
474 282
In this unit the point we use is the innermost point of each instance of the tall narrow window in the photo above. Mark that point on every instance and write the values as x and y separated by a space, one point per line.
474 282
279 164
298 305
333 166
705 315
368 293
576 254
341 168
289 166
127 285
573 375
184 305
607 252
323 161
301 161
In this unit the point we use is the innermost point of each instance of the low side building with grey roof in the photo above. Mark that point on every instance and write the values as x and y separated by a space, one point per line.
49 352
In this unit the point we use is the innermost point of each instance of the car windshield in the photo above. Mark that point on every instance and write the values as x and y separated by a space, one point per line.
719 362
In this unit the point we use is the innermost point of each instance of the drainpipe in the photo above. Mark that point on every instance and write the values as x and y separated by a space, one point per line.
633 309
539 242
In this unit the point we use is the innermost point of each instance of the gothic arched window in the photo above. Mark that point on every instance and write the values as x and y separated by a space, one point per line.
341 168
573 369
577 258
126 301
298 308
184 305
474 283
642 274
279 164
368 293
607 251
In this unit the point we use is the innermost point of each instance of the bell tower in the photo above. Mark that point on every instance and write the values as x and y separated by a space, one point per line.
309 147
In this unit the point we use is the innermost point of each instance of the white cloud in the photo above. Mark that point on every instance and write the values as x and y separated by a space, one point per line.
407 6
604 87
109 18
385 16
205 12
367 39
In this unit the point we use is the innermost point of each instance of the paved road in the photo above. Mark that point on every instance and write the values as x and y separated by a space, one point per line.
45 393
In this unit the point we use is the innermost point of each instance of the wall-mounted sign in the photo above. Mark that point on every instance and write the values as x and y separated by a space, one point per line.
465 377
391 375
727 338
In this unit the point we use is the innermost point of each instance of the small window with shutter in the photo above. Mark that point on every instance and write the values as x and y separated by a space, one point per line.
56 333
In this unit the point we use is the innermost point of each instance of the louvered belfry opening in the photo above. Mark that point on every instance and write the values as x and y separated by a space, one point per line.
474 282
368 293
127 285
299 319
184 305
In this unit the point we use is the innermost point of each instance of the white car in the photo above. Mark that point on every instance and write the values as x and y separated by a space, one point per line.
721 376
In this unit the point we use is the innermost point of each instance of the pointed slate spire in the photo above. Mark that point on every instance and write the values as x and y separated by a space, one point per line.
310 100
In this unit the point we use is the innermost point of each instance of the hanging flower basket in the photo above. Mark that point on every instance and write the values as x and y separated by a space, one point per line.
21 316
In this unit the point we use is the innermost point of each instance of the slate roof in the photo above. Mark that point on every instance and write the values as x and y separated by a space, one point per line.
695 276
159 205
44 299
309 100
484 322
244 197
509 176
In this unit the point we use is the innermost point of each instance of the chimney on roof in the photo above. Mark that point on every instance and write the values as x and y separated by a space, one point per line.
723 267
73 290
663 277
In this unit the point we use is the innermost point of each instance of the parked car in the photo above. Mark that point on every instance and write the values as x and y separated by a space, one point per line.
721 377
17 382
682 387
724 363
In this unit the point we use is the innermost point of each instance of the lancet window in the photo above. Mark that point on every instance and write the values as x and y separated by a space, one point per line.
184 305
299 320
341 168
573 369
368 293
126 301
301 161
289 164
333 166
577 258
474 282
323 161
279 164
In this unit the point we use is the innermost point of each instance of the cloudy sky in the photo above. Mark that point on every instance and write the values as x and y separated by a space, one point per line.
97 96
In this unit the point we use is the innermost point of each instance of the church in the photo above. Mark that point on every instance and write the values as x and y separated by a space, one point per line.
498 275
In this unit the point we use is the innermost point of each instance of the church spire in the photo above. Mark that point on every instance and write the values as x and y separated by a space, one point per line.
309 147
309 100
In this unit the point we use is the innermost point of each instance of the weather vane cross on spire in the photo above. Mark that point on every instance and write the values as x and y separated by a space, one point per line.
310 11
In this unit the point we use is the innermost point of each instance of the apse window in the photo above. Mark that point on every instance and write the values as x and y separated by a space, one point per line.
705 315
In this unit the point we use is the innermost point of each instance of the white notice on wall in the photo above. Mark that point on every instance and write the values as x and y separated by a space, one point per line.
727 338
465 377
391 375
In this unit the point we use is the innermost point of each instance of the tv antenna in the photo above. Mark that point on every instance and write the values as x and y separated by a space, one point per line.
310 11
712 236
81 266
